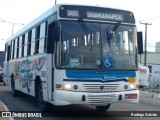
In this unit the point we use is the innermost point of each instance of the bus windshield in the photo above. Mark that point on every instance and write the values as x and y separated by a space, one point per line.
93 45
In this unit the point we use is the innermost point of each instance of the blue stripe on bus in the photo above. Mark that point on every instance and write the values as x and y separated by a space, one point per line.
99 74
91 80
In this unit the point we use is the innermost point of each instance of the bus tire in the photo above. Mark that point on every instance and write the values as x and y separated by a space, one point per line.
13 90
103 108
41 103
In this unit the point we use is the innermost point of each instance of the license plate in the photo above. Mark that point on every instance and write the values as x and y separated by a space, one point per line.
130 96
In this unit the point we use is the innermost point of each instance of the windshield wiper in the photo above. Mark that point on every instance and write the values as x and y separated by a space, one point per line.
109 36
85 30
116 27
83 25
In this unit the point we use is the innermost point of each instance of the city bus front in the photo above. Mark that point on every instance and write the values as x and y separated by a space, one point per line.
93 68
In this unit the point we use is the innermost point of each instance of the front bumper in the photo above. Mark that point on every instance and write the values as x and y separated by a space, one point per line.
63 97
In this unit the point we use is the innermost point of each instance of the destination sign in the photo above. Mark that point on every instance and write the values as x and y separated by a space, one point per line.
105 16
95 13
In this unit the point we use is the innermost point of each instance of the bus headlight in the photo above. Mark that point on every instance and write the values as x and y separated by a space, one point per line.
132 86
67 86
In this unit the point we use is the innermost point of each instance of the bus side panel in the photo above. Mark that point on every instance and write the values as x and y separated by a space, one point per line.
28 84
21 73
59 75
49 81
30 68
41 71
14 65
10 68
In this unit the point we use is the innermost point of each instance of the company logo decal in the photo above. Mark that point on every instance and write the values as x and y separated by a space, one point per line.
27 68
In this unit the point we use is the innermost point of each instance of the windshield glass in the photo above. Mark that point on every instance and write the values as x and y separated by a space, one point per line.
88 45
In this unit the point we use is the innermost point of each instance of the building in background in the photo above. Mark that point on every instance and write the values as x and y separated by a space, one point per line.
151 58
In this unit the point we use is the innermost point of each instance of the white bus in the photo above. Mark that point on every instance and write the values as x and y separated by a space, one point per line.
143 76
64 57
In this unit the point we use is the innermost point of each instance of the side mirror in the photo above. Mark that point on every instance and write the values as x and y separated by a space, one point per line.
140 42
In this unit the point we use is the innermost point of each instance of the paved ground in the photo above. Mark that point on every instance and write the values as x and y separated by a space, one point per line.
4 108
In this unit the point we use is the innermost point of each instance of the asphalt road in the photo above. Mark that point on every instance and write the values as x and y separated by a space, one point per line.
80 112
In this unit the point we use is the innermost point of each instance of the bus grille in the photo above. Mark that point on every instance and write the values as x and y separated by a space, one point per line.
101 99
100 87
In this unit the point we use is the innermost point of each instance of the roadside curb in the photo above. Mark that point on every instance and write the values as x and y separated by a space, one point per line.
4 108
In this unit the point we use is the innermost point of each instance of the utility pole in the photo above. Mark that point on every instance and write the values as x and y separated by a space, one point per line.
145 51
55 2
13 24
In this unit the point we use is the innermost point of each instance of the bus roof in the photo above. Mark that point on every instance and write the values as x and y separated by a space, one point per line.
48 13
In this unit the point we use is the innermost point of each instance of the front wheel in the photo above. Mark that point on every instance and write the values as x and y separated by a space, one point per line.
103 108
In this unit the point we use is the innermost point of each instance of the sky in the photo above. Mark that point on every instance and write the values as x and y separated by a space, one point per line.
22 12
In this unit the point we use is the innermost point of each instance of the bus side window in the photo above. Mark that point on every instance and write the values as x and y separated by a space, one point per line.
37 39
13 49
42 39
29 43
17 54
25 44
33 37
20 47
8 53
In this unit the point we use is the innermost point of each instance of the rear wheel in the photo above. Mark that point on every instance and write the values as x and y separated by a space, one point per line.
103 108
